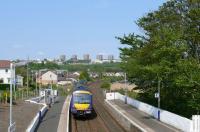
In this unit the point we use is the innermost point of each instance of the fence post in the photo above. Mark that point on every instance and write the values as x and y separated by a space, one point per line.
6 98
195 126
15 95
0 98
22 95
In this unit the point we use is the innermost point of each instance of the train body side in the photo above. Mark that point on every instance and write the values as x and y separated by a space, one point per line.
81 103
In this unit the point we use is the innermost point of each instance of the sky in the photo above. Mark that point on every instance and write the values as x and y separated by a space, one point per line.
50 28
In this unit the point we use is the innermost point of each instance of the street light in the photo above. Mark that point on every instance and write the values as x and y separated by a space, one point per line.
36 74
11 81
11 127
159 99
125 89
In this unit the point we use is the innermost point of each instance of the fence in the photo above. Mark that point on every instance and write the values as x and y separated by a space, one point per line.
167 117
195 126
17 95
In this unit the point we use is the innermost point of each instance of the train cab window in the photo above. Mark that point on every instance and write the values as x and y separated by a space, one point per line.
82 98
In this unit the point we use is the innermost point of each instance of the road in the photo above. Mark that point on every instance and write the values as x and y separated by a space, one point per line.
52 117
100 121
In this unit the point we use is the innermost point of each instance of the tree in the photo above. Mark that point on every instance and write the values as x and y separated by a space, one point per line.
84 76
158 55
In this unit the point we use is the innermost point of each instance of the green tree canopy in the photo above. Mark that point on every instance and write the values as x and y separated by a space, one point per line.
168 50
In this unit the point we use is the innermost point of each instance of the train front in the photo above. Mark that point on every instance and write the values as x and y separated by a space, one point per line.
81 104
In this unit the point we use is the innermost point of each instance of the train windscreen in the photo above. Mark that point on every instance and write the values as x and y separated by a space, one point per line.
82 98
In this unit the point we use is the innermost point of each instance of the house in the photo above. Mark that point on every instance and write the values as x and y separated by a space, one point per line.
94 75
51 77
76 74
19 80
5 72
48 77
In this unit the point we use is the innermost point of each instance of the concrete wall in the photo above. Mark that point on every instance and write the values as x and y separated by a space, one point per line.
165 116
128 125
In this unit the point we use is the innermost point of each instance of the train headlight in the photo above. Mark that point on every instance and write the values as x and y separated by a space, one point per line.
88 112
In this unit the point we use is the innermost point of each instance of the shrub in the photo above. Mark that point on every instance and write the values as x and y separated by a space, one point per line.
4 86
106 85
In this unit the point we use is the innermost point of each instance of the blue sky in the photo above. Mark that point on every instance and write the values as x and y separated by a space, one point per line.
49 28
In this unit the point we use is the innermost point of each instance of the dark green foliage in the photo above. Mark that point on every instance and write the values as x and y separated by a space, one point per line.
169 33
84 76
4 86
108 67
106 85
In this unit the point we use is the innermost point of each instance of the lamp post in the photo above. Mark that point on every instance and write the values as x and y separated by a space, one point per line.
125 88
11 83
14 80
159 99
39 81
36 83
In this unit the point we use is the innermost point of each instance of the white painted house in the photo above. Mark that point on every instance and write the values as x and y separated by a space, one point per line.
5 73
48 78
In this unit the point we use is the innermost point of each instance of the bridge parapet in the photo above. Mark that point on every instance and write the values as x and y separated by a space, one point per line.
167 117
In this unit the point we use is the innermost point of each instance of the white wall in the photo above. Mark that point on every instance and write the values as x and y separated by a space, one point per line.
165 116
5 75
49 76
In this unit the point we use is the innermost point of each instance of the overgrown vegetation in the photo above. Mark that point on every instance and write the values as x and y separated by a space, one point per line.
107 67
169 51
106 85
84 76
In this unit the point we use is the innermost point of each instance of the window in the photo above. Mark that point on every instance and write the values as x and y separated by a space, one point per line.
82 98
6 70
1 80
8 80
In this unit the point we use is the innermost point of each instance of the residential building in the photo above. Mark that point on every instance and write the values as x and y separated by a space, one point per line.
62 58
99 57
5 72
52 77
48 77
86 57
110 57
74 58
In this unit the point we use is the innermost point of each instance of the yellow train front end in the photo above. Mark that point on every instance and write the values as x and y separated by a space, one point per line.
81 103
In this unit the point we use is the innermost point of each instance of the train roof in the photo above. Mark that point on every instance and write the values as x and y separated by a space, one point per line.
82 92
81 89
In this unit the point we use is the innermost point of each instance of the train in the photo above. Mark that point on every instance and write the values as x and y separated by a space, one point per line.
81 102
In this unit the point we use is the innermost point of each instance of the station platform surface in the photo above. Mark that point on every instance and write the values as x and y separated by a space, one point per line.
142 119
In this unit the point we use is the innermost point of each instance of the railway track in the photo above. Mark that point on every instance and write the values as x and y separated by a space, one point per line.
99 121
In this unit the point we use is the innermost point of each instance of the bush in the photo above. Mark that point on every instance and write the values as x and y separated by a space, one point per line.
4 86
106 85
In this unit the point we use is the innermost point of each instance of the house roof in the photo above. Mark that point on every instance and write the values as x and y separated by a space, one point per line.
5 63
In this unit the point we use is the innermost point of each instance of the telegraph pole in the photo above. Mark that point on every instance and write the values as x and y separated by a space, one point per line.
27 75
